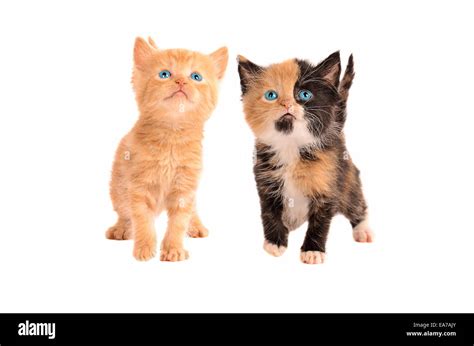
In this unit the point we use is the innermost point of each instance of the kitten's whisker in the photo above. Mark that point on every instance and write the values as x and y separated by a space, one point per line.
319 110
316 117
317 107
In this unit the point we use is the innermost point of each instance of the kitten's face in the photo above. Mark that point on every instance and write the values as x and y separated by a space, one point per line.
291 99
177 82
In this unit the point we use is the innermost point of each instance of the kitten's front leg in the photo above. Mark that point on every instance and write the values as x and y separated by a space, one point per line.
143 218
314 245
180 211
271 204
276 233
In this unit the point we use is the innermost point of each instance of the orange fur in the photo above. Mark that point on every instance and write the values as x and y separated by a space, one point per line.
316 177
158 163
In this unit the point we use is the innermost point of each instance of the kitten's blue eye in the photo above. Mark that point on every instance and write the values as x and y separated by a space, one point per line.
305 95
165 74
271 95
196 76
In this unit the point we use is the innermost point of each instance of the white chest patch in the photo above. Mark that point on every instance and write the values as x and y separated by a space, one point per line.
287 147
295 204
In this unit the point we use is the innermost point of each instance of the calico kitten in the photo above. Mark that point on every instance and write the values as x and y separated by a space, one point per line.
157 164
303 171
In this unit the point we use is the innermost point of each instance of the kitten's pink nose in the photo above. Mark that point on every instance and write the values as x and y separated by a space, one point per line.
288 104
181 81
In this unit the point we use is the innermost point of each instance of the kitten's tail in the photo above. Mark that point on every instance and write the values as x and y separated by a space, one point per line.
344 87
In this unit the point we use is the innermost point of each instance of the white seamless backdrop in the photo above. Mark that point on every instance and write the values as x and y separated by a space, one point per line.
66 100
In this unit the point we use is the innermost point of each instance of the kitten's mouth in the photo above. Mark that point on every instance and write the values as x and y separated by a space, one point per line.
287 117
178 93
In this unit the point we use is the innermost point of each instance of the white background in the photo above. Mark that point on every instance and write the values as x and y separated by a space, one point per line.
66 100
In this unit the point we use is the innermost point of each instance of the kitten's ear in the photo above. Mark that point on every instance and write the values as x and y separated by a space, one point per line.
330 68
141 53
220 58
346 81
152 43
247 71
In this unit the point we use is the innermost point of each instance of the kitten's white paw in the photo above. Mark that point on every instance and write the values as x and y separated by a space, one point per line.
312 257
362 233
273 249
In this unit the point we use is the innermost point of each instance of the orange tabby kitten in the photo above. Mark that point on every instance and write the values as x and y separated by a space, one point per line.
158 163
